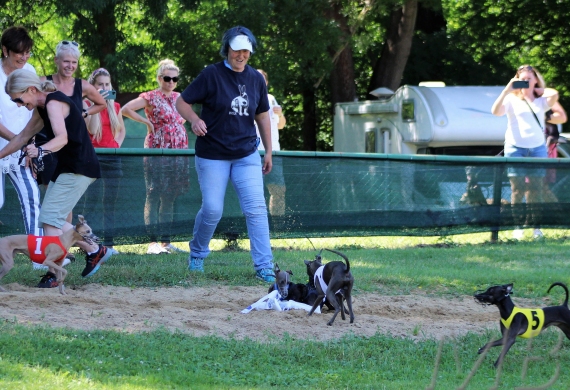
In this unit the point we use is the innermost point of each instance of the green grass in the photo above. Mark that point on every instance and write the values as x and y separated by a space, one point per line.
37 357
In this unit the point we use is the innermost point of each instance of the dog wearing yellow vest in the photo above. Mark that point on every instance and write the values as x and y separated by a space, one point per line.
519 322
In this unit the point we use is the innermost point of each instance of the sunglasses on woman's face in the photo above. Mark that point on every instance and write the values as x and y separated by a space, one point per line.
19 100
70 43
168 79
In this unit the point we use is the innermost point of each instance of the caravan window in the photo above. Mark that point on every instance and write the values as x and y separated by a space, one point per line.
408 111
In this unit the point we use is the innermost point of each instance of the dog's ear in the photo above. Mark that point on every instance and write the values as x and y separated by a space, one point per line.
81 219
509 288
277 268
307 262
318 257
289 272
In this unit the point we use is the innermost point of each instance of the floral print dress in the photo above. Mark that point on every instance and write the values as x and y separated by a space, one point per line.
169 132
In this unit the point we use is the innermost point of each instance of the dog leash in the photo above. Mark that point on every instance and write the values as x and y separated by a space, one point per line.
37 162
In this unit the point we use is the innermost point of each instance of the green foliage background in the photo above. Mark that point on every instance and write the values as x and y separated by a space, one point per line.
461 42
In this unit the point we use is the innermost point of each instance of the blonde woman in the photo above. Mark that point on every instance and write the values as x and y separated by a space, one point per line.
106 130
525 101
77 165
166 177
67 61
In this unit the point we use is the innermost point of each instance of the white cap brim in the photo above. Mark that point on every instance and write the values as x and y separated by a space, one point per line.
241 42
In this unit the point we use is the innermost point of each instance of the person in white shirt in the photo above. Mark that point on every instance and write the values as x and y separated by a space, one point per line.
16 51
525 106
275 181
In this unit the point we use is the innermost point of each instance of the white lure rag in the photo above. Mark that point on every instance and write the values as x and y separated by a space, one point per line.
273 301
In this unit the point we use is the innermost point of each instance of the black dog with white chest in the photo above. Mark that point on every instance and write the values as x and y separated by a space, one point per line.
519 322
288 290
333 281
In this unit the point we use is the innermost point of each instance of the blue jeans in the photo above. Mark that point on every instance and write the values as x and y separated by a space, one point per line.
515 151
246 177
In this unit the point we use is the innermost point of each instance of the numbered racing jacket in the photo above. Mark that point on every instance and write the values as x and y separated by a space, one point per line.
534 317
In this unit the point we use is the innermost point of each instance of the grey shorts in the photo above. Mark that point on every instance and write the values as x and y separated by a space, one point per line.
61 197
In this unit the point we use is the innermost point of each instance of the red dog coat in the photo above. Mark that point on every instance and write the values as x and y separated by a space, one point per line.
37 246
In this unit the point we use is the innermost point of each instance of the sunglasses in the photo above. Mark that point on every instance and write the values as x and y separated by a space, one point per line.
168 78
19 100
525 67
70 43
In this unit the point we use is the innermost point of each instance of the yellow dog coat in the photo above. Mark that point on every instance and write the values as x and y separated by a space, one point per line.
535 318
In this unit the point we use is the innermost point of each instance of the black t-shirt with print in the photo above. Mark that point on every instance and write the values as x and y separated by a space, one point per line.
230 100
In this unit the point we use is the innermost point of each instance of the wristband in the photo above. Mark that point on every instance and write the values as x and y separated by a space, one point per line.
85 113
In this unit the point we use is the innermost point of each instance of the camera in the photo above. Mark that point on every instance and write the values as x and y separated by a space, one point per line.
112 95
520 84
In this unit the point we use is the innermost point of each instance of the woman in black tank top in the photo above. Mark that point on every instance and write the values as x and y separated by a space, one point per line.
66 58
77 165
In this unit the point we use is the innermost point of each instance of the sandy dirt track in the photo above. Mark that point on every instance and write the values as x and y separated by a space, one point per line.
216 311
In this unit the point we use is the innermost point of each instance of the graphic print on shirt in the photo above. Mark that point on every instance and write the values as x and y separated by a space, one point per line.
240 104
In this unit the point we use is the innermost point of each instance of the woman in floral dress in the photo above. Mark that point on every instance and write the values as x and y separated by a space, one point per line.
167 177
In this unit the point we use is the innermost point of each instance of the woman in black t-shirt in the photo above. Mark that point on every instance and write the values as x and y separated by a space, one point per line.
233 95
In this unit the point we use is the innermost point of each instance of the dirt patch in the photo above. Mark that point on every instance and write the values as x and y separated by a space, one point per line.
216 311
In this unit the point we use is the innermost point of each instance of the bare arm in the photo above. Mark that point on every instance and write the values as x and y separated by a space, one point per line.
498 109
5 133
185 110
551 96
94 96
33 127
264 127
120 137
282 121
558 114
57 112
130 111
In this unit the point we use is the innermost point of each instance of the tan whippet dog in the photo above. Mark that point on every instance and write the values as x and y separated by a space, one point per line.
47 250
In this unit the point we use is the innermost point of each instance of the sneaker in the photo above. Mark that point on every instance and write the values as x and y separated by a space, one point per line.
113 251
265 274
537 234
38 266
196 264
172 249
95 260
518 234
156 249
49 280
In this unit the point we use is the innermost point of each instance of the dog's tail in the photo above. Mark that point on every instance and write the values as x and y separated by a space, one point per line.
565 289
343 256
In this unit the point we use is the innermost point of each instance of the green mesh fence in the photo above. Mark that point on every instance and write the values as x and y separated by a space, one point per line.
325 195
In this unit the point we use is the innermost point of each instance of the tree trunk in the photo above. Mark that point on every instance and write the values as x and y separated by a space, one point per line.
343 88
105 23
309 127
390 67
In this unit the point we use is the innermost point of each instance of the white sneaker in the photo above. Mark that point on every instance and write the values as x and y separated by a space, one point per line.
172 249
537 234
518 234
42 267
156 249
113 251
